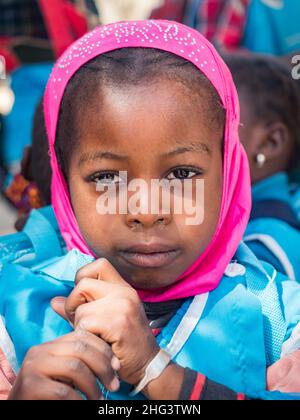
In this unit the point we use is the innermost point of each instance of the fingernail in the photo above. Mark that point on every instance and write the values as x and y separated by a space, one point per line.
115 384
58 302
115 363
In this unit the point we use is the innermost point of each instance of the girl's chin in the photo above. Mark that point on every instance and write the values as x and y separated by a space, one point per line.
147 279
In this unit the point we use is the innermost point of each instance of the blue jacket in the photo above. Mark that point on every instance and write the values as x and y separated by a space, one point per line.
271 239
230 334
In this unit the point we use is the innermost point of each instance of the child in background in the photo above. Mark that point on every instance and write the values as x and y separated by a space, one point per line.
152 99
31 188
270 132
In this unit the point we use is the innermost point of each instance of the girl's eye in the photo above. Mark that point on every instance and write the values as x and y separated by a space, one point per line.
183 173
106 178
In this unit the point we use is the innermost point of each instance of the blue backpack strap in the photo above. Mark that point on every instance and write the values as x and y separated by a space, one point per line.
268 249
263 281
42 230
275 209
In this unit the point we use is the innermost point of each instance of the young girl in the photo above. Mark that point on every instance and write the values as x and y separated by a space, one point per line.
151 99
270 133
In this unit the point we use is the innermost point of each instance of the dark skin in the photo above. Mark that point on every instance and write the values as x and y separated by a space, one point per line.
104 302
149 130
273 139
53 370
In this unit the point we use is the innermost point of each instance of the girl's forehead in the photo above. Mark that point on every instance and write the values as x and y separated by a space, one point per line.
151 137
163 110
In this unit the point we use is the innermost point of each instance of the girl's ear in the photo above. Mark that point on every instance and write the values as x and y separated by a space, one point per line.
277 142
273 151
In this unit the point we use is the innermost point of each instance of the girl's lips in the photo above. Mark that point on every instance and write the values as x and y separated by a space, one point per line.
150 259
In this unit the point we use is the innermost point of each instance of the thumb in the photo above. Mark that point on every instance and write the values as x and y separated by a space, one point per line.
58 305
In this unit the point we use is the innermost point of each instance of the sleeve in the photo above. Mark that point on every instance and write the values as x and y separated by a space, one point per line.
198 387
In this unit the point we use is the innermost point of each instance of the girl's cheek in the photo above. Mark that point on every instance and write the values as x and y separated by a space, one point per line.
83 196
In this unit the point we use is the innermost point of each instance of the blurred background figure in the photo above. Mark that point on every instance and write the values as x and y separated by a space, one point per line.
109 11
270 133
116 10
33 33
30 189
264 26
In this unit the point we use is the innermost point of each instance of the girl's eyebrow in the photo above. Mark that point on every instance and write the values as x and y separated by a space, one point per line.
192 147
89 157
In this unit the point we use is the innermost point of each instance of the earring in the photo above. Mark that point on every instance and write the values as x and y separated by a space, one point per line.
261 160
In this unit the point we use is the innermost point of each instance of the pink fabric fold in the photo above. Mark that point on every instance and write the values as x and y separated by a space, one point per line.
206 272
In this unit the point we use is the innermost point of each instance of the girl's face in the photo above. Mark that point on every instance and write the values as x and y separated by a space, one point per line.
161 131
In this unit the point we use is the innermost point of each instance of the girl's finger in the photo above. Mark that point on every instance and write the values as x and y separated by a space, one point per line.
92 351
98 310
101 269
58 305
95 325
72 370
88 290
48 389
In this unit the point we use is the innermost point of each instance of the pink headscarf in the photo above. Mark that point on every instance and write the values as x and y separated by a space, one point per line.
206 272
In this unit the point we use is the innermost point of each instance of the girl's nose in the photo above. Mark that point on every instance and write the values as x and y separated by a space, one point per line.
147 220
